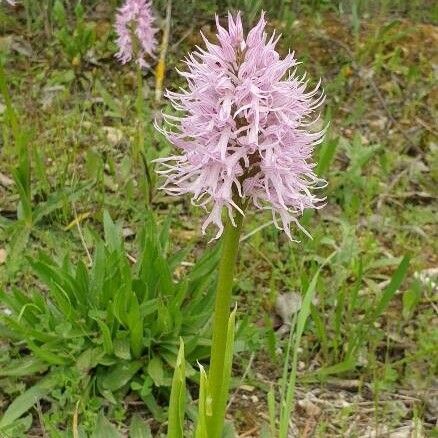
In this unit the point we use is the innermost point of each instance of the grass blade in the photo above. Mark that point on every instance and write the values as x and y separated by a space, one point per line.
393 286
204 405
175 428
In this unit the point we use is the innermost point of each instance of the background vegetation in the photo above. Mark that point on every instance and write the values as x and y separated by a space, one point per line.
95 291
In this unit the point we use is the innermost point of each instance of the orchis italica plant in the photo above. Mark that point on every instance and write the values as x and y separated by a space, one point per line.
245 137
135 32
136 40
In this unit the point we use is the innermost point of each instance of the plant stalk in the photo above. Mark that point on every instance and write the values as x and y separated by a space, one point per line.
227 264
139 151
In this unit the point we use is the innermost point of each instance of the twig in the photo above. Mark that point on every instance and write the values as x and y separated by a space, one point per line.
249 432
41 419
131 258
81 236
348 384
185 35
426 126
161 66
308 427
75 421
352 425
431 302
247 369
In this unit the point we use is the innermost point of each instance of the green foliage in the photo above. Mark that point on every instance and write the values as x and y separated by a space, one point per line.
348 341
25 401
77 40
354 180
116 325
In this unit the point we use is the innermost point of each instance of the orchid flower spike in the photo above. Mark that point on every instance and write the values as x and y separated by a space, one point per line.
244 129
135 32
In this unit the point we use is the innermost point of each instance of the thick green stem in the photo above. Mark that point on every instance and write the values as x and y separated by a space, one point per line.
230 246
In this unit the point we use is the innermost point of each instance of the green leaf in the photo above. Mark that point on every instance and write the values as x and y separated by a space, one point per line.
58 13
175 428
46 355
204 405
326 155
112 233
27 332
390 290
106 336
89 359
411 298
122 348
228 361
104 429
26 400
60 286
97 275
120 375
23 367
138 428
155 409
156 371
135 324
20 233
25 207
18 427
164 235
339 368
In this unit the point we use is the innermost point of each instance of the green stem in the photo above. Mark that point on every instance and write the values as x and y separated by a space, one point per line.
227 264
139 150
139 107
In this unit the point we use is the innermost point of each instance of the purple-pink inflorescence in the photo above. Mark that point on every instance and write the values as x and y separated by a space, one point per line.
244 129
135 20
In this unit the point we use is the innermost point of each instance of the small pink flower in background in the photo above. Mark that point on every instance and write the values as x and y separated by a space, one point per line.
135 19
244 129
11 2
